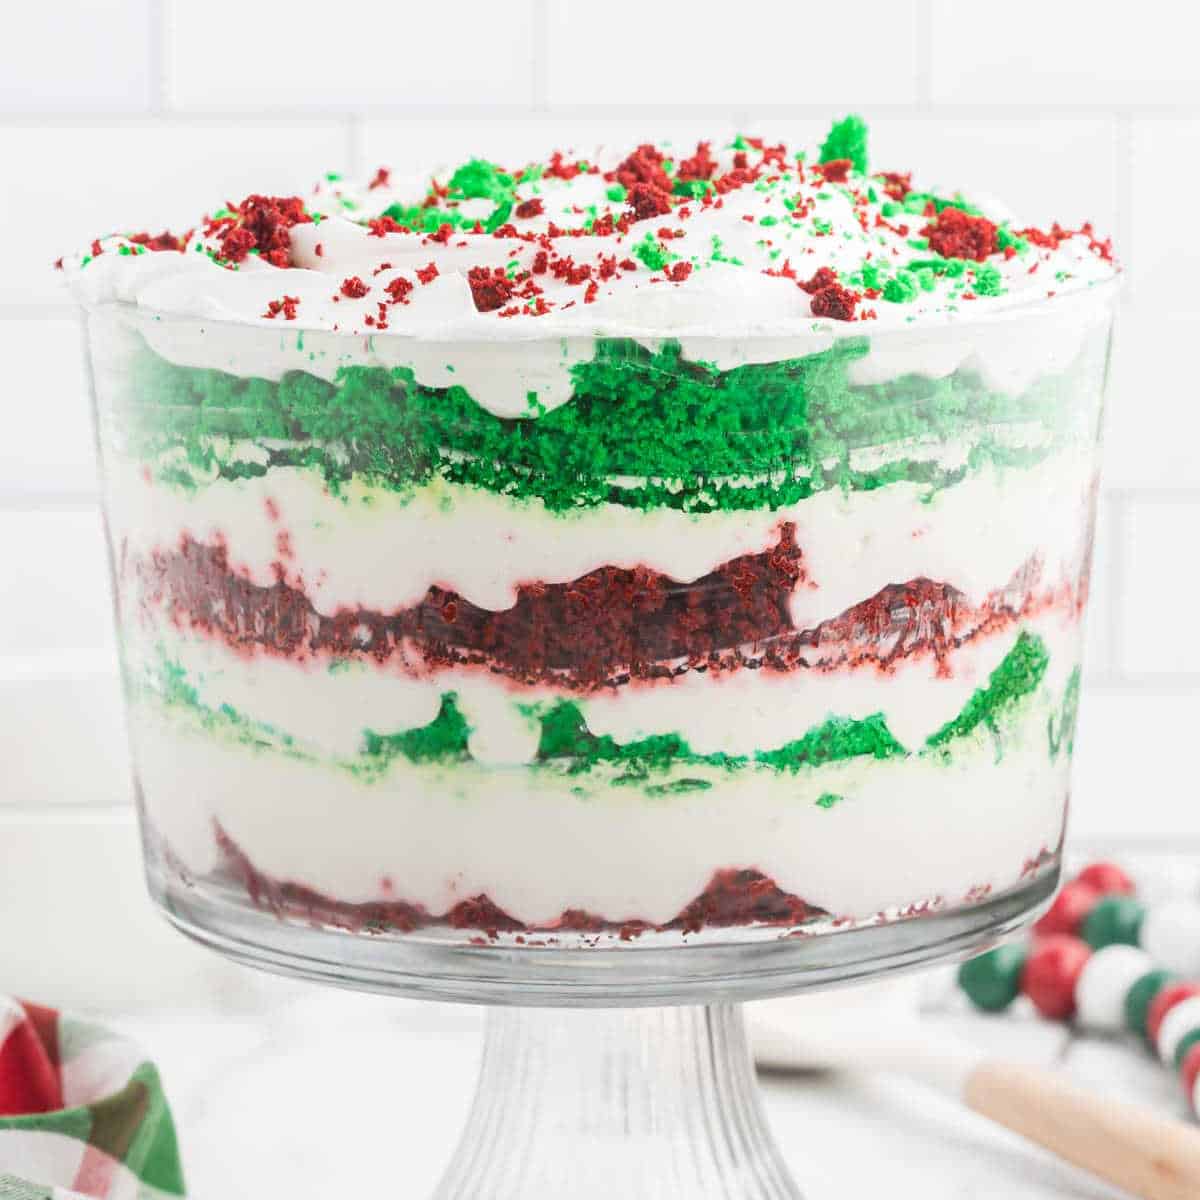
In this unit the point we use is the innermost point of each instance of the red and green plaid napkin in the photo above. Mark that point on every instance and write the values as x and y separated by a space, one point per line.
82 1112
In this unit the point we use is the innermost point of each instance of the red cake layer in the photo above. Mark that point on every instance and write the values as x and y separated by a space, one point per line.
735 896
606 627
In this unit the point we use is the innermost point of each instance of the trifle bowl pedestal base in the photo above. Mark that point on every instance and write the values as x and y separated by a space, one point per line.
654 1102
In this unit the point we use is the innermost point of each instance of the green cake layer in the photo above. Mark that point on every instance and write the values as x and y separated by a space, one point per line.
673 432
568 748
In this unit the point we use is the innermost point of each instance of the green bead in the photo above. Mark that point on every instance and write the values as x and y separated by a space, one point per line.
1139 998
1186 1043
993 980
1114 920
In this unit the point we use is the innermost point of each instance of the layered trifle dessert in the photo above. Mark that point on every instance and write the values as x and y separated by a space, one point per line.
634 541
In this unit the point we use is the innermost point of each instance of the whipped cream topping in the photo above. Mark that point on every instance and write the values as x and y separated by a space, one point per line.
743 239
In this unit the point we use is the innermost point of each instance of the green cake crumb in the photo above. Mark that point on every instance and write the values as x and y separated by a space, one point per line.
847 139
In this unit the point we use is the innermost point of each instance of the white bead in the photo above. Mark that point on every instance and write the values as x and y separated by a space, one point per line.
1177 1024
1171 936
1102 987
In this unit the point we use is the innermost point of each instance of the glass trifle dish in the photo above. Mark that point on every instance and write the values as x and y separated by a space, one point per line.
638 575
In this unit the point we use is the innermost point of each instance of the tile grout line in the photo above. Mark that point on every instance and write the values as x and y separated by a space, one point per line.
159 15
293 115
922 32
73 811
539 54
51 500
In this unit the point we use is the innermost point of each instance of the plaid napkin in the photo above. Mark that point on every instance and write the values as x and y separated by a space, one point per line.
82 1113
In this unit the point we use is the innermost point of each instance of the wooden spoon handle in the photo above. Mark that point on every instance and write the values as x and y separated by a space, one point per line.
1149 1155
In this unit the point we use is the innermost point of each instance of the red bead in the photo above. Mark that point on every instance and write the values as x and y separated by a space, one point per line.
1190 1070
1070 907
1164 1002
1106 878
1051 972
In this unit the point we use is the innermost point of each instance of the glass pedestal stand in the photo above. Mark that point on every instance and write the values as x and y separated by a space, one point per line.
615 1070
585 1103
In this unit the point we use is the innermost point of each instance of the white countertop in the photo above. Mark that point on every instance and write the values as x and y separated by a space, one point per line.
292 1091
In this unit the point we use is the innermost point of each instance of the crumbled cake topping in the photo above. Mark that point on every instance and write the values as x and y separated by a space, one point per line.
838 240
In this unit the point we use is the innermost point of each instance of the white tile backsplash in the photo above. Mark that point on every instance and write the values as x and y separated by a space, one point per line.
316 58
104 66
64 734
1153 420
48 446
54 591
1161 540
776 52
1134 770
1068 53
426 143
1164 257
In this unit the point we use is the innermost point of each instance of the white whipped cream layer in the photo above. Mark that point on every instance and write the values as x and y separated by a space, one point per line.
377 549
904 831
524 377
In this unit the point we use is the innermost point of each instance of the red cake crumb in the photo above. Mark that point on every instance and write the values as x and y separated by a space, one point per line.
957 234
353 288
678 272
399 289
646 201
895 184
644 165
700 166
259 223
427 273
823 278
287 306
732 180
163 241
1057 235
380 226
835 170
491 288
380 179
530 208
836 302
559 168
